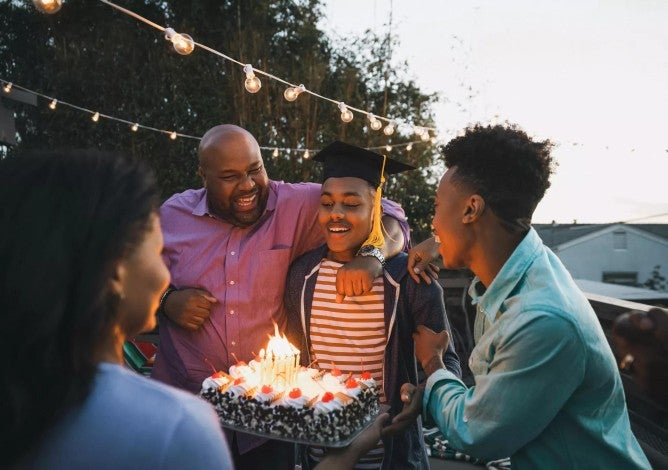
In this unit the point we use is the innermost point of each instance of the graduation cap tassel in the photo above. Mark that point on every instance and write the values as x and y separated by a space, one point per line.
376 237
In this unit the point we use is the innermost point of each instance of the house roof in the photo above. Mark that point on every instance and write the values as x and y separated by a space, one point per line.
556 234
617 291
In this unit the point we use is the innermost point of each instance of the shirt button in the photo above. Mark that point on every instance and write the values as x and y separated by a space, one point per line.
233 253
231 312
231 283
234 343
466 419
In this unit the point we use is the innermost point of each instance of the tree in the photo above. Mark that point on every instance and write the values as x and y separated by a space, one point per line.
656 281
94 56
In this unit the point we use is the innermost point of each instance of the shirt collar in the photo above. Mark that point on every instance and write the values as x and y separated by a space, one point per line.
512 272
202 207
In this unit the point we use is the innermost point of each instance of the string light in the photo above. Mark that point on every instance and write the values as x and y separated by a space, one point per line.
432 140
389 129
48 6
291 93
8 87
134 126
183 44
425 136
388 148
252 83
419 131
374 123
346 114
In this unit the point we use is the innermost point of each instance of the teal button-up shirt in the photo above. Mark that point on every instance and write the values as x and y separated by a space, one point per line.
547 390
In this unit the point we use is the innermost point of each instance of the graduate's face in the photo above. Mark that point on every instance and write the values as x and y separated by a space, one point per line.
345 215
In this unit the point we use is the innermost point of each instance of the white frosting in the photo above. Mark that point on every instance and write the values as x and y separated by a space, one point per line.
240 371
327 407
298 402
368 382
353 392
210 382
265 397
240 388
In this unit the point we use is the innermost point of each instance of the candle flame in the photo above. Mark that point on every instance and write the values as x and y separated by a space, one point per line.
279 346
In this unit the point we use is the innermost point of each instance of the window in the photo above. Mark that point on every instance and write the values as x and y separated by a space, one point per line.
619 240
625 278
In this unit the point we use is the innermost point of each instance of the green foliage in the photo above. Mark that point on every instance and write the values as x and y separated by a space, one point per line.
657 281
94 56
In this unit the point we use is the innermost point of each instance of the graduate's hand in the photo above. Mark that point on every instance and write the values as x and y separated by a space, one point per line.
189 307
356 276
412 398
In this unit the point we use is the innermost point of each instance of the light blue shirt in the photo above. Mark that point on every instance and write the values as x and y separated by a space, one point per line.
128 422
547 390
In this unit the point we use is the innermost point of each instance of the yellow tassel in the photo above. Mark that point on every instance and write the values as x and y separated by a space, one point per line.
376 237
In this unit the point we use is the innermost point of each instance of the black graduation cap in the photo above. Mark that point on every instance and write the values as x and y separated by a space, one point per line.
340 160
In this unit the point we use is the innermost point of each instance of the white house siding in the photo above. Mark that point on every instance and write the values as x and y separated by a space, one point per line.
590 256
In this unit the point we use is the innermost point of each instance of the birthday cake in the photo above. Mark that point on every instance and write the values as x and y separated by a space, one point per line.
274 396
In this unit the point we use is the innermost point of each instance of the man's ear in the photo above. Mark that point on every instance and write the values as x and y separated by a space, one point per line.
474 208
200 172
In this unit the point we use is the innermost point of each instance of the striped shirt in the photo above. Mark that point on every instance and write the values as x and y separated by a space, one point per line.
349 335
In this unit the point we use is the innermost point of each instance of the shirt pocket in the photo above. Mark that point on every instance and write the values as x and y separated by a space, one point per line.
268 274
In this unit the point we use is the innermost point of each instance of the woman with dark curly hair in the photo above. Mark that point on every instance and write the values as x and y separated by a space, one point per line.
80 245
547 390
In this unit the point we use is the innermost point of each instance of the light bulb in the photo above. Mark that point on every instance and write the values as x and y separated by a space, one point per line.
173 135
275 153
374 123
389 129
53 104
346 114
425 136
432 140
419 131
252 83
96 117
307 154
183 44
135 127
409 147
7 88
48 6
388 148
291 93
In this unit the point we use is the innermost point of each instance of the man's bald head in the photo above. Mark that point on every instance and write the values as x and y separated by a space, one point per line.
221 140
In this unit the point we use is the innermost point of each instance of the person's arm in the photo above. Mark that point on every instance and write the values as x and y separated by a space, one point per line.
347 457
428 310
532 373
356 277
420 260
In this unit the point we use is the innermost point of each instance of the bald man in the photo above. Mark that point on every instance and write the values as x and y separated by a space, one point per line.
228 247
